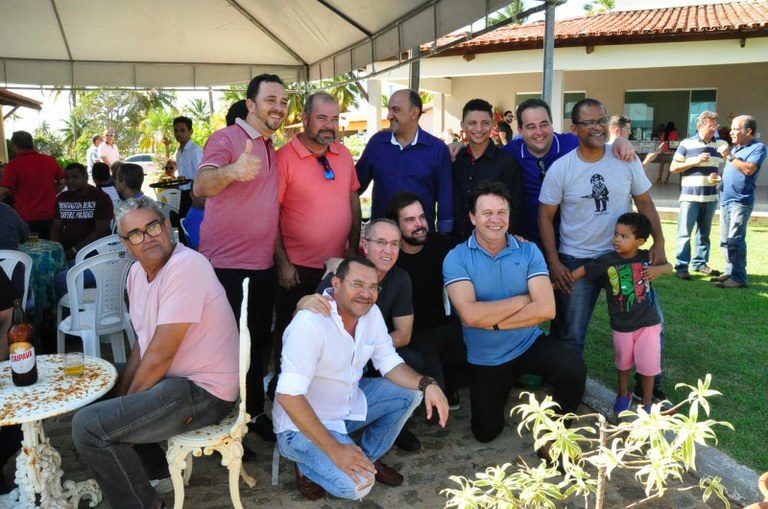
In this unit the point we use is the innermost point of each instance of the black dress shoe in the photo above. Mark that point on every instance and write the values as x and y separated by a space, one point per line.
407 441
262 426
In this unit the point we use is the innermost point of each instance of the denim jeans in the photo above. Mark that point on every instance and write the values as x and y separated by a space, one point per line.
389 406
734 218
104 434
701 215
574 310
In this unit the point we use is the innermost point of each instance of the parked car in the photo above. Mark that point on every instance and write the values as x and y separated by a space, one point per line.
146 161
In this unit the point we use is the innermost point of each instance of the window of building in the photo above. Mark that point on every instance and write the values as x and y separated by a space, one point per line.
649 109
569 101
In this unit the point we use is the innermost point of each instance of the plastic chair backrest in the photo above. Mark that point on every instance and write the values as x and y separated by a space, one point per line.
111 272
106 244
8 261
171 197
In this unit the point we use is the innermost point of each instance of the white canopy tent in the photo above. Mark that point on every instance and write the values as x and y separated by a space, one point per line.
207 43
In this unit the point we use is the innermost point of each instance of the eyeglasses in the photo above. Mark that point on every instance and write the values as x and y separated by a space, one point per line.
136 237
360 285
170 167
328 171
383 243
109 134
591 124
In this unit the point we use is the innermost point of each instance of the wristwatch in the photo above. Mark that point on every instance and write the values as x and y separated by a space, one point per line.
425 382
730 158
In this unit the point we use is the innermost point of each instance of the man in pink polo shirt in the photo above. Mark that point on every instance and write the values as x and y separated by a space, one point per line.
319 205
238 176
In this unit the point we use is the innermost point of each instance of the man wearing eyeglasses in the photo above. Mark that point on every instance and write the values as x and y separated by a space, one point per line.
319 205
238 177
591 188
322 396
108 151
182 373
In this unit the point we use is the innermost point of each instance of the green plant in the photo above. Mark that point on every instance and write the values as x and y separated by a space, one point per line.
658 446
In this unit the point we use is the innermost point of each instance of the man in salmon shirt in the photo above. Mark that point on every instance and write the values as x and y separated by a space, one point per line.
238 176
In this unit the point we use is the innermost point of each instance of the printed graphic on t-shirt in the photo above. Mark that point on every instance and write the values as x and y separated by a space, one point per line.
77 209
599 193
628 286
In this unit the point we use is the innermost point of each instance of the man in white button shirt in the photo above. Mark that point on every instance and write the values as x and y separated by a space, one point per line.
321 397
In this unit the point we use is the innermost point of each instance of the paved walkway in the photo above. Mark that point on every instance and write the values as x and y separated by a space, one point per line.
452 451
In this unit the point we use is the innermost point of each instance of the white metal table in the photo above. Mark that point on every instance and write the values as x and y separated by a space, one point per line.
38 465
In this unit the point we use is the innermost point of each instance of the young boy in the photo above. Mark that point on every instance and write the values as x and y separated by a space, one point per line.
636 325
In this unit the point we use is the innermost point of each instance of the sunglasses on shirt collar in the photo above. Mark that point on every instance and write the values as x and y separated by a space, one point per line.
327 170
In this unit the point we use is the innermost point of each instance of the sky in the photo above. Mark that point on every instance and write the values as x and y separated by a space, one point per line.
53 113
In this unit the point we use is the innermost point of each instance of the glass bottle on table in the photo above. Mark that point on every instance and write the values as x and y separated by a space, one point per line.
21 348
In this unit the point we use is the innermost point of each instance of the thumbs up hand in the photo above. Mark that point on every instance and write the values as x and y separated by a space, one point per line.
247 165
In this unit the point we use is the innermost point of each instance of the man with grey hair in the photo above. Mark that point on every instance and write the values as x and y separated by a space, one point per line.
319 205
182 373
743 162
698 160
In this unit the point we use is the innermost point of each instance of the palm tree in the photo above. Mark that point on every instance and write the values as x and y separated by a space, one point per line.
510 11
599 6
155 129
197 108
74 127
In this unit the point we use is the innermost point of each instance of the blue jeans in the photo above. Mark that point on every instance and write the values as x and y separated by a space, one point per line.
701 215
734 218
389 406
574 310
105 432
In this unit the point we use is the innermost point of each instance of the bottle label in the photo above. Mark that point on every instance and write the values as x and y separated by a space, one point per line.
22 357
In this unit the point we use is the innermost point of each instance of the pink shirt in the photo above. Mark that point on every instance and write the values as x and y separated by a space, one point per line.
315 213
240 226
186 290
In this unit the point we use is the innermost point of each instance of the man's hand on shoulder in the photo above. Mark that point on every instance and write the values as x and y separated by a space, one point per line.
622 149
454 149
318 304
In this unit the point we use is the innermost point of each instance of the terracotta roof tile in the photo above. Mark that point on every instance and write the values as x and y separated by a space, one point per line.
652 24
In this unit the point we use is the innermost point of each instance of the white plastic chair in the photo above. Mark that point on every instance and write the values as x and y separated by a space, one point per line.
8 261
103 245
183 224
226 437
172 197
109 315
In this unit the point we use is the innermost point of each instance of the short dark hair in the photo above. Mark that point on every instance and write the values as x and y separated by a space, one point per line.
237 110
584 103
399 202
639 223
309 103
183 120
343 269
530 104
253 86
620 121
488 187
477 105
415 99
132 175
23 140
508 111
95 138
77 166
748 122
100 171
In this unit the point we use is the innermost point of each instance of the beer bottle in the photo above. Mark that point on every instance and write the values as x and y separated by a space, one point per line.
21 348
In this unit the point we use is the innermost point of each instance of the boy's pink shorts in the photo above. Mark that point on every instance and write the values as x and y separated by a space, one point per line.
640 348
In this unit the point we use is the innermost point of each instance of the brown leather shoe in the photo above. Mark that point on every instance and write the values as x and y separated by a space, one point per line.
731 283
709 271
309 489
386 475
720 279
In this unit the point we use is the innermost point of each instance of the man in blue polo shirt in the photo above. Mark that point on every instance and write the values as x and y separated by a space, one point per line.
501 290
407 158
698 161
743 164
535 150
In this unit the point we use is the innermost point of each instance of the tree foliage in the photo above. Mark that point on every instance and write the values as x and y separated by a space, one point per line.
599 6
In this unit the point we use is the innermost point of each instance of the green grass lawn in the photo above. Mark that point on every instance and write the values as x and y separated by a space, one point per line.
710 330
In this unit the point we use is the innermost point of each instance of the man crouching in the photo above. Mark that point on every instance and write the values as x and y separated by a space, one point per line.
322 397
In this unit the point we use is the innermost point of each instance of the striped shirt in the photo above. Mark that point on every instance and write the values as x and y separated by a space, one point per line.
694 182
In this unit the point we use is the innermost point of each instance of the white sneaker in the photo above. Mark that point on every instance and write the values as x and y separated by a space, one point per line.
162 486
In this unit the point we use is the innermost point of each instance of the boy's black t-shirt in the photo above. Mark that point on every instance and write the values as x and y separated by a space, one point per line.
630 296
